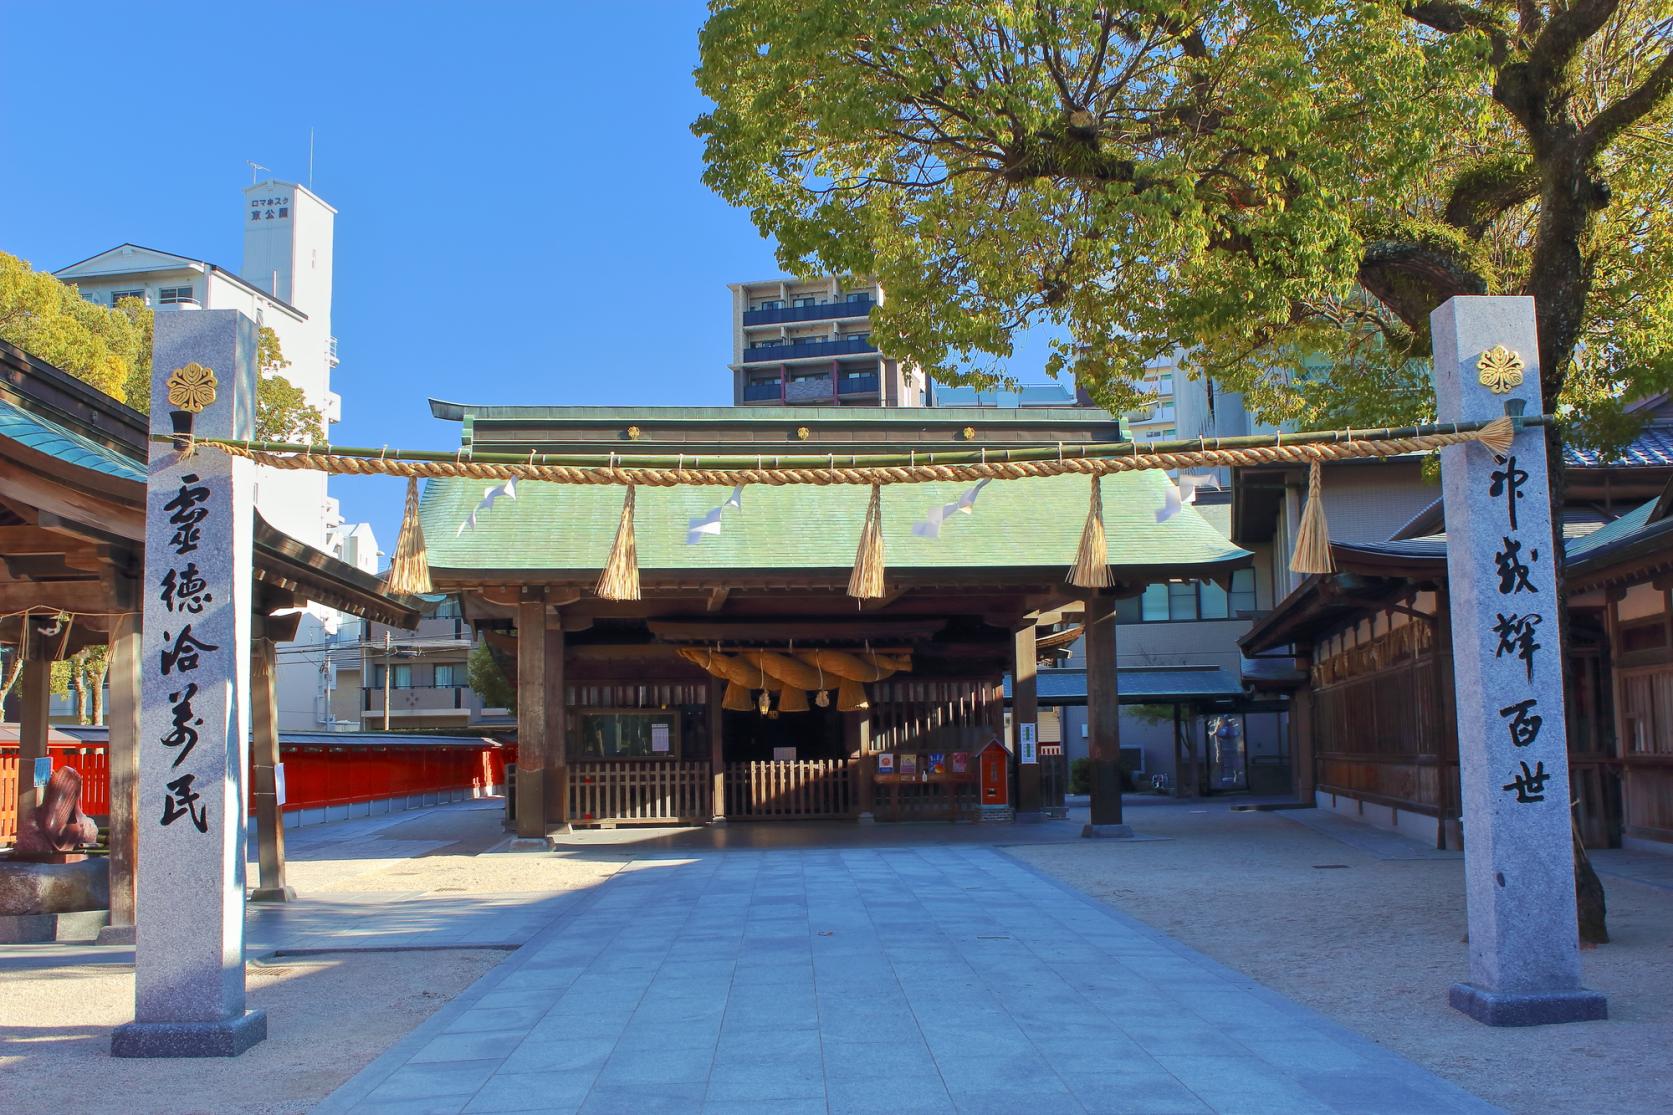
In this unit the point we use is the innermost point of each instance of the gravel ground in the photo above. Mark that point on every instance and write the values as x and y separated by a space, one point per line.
1376 942
327 1018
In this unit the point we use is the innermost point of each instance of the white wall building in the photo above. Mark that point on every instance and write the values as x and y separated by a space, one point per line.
285 284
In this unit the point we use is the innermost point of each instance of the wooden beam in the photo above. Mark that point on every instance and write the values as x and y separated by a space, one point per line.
54 497
532 744
122 716
1103 710
264 765
717 597
846 630
64 596
1025 713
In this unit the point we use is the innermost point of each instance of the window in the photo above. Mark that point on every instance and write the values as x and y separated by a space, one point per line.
764 342
1211 602
773 304
859 298
629 734
1164 385
803 300
117 295
448 609
175 295
1182 600
1190 600
446 677
1243 592
402 675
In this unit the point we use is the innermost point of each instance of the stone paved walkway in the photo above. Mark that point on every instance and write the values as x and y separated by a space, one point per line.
919 979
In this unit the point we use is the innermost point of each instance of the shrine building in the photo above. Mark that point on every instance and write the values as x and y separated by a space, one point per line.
745 682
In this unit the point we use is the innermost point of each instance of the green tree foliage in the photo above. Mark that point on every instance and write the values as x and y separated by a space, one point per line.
489 682
51 322
1273 186
110 349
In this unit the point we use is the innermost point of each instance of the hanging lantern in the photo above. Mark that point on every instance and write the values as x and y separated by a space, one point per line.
823 700
763 703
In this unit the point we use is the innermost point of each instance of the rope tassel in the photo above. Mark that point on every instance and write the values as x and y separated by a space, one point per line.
1312 541
620 579
1092 560
409 569
866 583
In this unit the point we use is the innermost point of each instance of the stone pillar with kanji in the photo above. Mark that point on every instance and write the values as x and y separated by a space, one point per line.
1503 550
194 723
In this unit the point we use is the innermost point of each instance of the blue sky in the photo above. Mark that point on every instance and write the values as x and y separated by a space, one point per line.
521 215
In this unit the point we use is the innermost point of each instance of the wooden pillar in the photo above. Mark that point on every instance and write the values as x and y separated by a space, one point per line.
264 763
34 714
856 730
1178 754
122 714
717 751
1025 719
531 715
1102 717
556 711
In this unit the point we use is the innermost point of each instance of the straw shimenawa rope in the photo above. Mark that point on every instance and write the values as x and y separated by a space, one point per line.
1312 540
409 570
620 579
1496 436
866 582
1092 559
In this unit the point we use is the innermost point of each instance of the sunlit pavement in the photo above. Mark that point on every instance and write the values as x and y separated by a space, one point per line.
928 977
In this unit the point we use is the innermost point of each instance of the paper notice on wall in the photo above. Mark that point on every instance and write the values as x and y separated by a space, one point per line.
784 754
1027 744
279 783
659 738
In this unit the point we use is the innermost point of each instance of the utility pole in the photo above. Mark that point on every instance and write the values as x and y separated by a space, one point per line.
388 678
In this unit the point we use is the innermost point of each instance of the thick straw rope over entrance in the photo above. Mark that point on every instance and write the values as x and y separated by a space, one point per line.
620 578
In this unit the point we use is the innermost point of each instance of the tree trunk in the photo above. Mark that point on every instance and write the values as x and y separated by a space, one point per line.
78 693
98 694
14 670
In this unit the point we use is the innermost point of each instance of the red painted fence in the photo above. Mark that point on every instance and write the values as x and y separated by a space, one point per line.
315 775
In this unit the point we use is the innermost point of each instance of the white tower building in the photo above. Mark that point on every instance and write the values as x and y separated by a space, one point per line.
284 283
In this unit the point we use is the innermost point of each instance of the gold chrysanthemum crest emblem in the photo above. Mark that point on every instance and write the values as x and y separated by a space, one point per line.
1501 370
191 388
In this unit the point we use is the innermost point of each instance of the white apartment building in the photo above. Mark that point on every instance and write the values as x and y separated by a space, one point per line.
284 283
806 342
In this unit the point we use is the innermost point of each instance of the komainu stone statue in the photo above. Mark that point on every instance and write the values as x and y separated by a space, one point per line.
57 826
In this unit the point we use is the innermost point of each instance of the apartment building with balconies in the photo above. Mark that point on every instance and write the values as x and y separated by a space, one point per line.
807 342
407 680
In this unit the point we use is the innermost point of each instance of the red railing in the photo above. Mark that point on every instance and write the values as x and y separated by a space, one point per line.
87 758
315 775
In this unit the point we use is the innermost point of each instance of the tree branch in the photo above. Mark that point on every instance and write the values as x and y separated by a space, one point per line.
1629 109
1452 18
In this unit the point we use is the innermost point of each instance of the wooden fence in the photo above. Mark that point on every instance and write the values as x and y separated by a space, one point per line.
808 788
651 791
90 760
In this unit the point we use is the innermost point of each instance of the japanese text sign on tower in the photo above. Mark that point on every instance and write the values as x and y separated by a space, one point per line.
1503 549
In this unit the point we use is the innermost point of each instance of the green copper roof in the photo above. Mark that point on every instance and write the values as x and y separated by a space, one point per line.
1016 523
46 436
651 416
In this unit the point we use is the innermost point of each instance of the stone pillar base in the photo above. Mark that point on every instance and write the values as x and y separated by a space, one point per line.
226 1038
35 929
866 819
717 822
1541 1008
1030 816
116 935
528 844
1106 830
273 894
